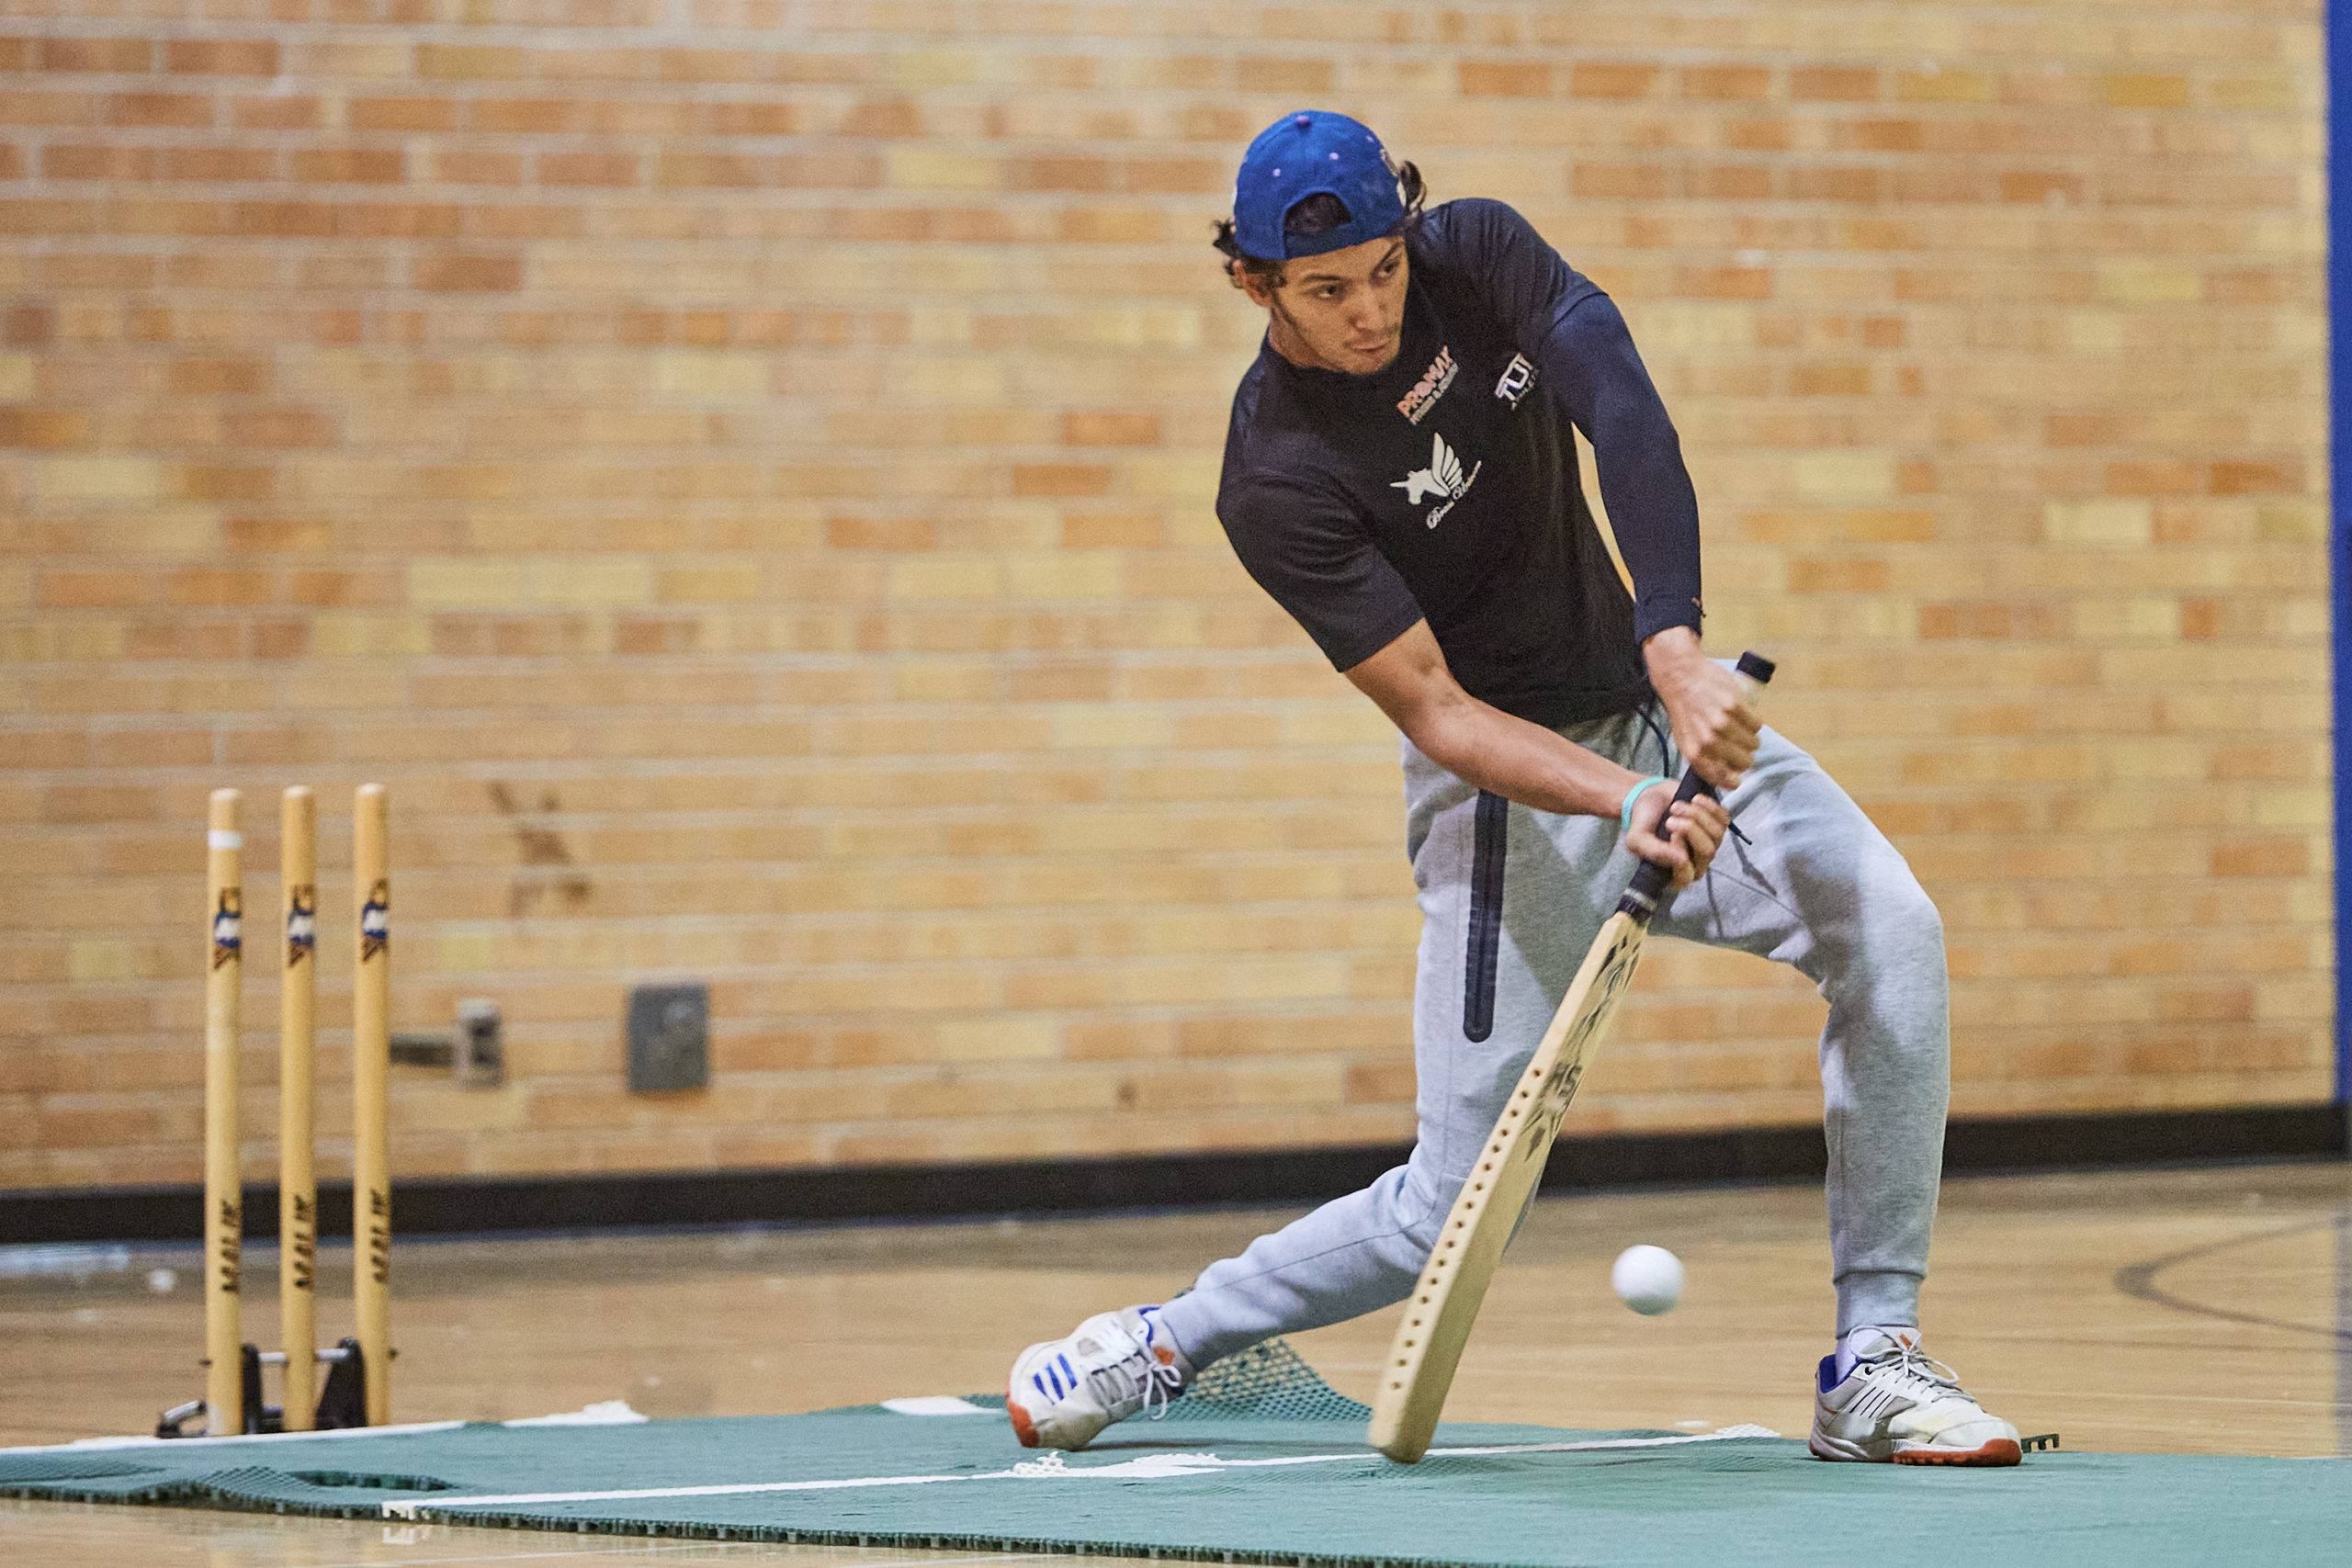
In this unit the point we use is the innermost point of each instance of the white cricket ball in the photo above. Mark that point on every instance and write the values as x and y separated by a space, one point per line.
1648 1277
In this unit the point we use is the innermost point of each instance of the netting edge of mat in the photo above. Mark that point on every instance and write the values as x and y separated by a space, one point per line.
195 1491
934 1540
1270 1380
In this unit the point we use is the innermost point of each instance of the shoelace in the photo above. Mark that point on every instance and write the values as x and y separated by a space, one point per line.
1908 1367
1155 1384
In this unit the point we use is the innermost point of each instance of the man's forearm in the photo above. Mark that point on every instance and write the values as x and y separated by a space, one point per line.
1480 742
1519 761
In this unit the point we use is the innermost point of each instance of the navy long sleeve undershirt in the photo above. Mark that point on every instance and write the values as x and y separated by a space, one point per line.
1575 333
1653 510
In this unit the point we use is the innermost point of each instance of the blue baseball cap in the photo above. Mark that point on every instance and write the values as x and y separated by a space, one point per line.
1312 153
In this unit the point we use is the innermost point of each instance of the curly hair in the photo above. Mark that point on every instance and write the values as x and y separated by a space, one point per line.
1314 215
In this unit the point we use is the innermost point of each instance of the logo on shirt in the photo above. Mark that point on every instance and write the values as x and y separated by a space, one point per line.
1517 375
1444 477
1429 387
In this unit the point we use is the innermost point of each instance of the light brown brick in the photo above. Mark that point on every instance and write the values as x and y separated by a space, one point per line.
1725 82
2147 91
1834 84
471 62
1111 430
1609 79
588 168
277 113
354 165
469 273
221 57
1300 75
97 56
403 114
186 111
1505 79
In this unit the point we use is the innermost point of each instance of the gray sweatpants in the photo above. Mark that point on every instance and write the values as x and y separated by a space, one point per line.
1817 887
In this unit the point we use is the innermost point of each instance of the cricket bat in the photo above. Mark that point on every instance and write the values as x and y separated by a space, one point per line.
1436 1325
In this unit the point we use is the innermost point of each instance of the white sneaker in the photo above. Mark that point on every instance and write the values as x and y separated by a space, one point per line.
1116 1363
1900 1404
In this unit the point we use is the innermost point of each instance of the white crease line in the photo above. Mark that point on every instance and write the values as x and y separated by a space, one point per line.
1149 1467
407 1509
1725 1434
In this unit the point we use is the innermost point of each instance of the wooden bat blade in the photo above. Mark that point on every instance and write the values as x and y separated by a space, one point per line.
1436 1325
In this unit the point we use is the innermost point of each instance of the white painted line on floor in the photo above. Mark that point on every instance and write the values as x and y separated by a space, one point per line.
936 1405
605 1413
1052 1467
94 1445
611 1413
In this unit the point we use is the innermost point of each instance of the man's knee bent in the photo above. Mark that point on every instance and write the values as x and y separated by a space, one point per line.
1874 907
1901 918
1421 1203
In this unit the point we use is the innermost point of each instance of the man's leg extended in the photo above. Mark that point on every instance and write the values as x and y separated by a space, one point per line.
1510 900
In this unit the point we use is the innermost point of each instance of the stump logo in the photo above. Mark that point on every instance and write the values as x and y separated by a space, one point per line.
375 921
228 927
301 923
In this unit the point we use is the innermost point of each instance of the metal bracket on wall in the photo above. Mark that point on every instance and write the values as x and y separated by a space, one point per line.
475 1053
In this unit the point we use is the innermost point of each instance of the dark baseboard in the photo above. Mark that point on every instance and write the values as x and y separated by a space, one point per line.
2148 1138
459 1205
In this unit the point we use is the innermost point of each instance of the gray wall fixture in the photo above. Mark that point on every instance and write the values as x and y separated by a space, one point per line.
669 1037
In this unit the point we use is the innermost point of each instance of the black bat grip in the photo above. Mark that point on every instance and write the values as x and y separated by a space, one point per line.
1652 879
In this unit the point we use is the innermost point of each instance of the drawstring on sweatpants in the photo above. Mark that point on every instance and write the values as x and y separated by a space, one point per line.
1650 722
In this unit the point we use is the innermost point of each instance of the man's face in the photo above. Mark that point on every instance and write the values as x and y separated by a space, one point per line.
1341 310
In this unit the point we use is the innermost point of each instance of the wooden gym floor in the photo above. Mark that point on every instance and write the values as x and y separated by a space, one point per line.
2205 1310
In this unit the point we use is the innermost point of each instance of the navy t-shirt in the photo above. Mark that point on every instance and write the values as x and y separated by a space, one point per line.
1444 488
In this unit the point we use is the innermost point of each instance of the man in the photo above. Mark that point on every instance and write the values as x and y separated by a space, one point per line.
1400 475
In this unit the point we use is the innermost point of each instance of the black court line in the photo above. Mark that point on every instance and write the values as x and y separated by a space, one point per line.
2139 1280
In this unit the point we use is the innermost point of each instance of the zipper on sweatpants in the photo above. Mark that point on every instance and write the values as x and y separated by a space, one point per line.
1490 839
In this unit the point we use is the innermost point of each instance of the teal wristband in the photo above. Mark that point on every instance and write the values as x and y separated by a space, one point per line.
1625 812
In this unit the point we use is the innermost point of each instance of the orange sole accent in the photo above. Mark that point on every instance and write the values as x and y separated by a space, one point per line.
1020 1428
2000 1450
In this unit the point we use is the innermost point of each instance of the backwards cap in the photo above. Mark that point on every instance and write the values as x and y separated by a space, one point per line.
1312 153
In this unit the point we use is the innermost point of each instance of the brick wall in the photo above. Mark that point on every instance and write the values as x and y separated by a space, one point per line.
740 472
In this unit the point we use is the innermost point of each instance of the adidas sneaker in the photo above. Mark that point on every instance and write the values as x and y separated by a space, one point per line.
1898 1404
1063 1391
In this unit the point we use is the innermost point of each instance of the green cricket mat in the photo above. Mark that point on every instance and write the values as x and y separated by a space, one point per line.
1261 1462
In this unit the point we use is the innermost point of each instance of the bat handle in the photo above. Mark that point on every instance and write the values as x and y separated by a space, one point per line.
1651 880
